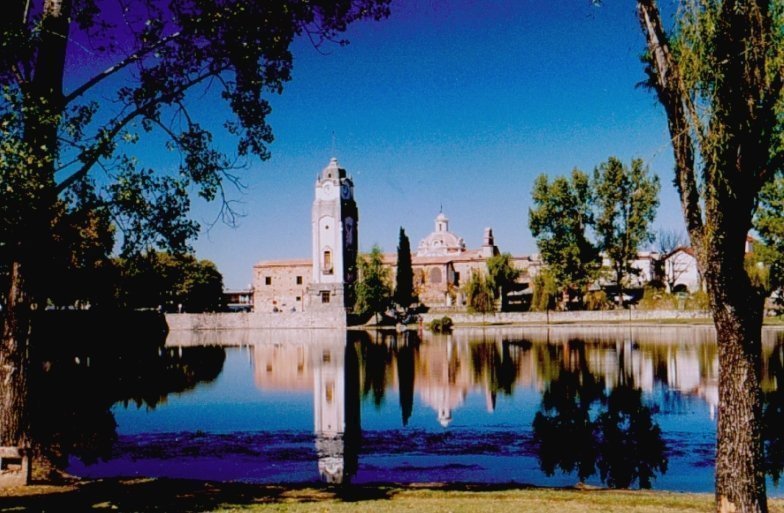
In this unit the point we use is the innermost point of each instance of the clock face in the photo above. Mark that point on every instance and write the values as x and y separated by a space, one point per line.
345 192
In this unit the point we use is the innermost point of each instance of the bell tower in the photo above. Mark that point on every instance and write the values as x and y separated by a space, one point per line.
334 222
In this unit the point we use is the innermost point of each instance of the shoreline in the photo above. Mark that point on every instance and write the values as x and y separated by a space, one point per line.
149 494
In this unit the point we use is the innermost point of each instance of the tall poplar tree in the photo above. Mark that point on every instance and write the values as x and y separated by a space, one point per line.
718 73
626 199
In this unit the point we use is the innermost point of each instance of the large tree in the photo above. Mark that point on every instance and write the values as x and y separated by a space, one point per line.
718 74
559 221
479 293
501 276
59 125
626 199
172 282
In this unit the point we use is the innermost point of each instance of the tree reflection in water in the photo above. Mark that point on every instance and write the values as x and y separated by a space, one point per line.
406 357
583 429
73 391
773 414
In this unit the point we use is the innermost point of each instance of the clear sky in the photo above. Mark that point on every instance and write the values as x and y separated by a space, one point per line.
459 104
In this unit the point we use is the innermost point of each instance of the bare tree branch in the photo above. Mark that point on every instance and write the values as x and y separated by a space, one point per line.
670 91
93 154
117 67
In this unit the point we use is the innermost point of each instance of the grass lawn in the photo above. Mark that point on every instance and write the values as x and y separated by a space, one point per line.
158 495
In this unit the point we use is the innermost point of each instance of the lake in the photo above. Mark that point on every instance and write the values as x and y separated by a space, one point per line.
608 406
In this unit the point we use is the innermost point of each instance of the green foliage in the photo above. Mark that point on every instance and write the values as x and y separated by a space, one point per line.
698 301
442 325
559 221
501 275
626 199
479 294
372 290
769 224
545 291
163 280
656 298
597 300
162 60
404 279
81 272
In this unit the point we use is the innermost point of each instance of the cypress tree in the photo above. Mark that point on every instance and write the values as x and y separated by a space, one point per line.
404 280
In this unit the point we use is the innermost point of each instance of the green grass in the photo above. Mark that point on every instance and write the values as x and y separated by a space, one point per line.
159 495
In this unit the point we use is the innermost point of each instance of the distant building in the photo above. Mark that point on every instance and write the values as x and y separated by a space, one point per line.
441 263
238 300
680 271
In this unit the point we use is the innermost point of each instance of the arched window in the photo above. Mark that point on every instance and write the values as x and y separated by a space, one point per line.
435 275
327 262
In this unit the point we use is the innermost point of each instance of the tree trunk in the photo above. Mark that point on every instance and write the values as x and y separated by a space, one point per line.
737 315
740 476
30 244
14 356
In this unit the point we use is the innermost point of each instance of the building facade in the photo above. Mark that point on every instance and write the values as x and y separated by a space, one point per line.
441 265
323 281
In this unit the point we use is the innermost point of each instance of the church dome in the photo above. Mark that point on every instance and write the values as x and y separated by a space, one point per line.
441 241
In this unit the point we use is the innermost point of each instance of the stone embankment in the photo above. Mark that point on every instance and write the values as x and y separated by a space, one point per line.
335 319
255 320
572 317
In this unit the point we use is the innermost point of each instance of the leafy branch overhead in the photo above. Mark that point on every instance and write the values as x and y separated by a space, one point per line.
62 129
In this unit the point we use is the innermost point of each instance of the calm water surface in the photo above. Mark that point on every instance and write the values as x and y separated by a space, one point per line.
606 406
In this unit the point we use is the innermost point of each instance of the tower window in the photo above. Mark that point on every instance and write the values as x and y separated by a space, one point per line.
327 264
325 296
268 280
299 280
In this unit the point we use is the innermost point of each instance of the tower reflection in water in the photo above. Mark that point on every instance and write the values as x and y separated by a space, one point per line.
325 362
336 411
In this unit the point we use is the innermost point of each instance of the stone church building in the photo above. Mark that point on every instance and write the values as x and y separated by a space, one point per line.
442 264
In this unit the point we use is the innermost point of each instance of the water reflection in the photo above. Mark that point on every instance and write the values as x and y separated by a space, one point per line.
621 407
73 391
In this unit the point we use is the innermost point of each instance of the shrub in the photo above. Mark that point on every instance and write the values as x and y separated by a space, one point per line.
442 325
597 300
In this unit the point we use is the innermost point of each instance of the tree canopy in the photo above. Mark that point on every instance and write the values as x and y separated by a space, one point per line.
170 282
626 201
373 290
480 296
60 138
501 276
559 221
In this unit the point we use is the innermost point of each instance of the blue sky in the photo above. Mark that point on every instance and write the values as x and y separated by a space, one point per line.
461 104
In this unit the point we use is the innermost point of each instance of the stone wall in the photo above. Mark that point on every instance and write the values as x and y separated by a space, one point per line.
256 320
611 316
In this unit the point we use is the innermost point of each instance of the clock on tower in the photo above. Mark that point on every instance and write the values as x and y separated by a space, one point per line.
335 243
